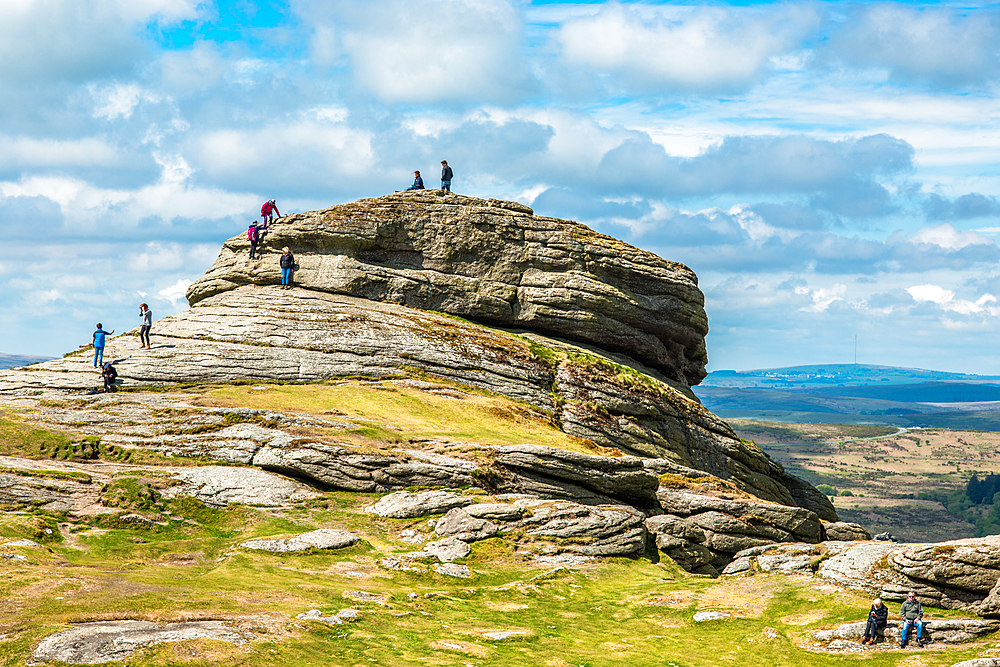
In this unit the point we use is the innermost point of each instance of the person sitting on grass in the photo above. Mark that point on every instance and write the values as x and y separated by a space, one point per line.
878 616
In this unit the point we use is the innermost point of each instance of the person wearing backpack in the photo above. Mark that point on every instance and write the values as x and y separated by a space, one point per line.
269 211
287 266
99 336
254 232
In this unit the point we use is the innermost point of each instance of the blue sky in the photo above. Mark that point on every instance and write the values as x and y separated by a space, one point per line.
829 169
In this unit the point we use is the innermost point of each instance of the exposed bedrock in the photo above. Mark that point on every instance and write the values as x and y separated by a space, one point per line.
264 333
489 261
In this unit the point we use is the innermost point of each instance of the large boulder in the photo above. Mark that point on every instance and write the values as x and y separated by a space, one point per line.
490 261
704 534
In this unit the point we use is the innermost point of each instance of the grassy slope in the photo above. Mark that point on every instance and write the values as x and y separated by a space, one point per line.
616 611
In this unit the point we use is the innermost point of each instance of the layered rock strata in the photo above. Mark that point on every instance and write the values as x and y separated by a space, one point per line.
490 261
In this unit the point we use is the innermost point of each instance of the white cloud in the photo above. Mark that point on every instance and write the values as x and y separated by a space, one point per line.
175 292
946 299
947 237
932 293
120 100
707 48
423 50
822 297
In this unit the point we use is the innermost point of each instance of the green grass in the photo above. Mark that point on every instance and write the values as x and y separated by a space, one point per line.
191 568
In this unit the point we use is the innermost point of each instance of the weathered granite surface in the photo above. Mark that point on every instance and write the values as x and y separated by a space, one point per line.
270 334
704 534
107 641
489 261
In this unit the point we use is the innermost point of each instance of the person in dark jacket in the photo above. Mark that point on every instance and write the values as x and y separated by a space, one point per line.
255 233
418 183
912 613
446 176
287 266
877 619
109 374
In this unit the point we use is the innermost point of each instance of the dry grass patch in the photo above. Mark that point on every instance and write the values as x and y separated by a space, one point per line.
746 598
803 619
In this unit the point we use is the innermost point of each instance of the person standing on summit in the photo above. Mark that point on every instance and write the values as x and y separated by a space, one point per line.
446 176
147 323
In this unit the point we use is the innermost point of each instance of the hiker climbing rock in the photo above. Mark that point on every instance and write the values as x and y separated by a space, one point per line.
147 323
418 183
99 337
269 211
254 233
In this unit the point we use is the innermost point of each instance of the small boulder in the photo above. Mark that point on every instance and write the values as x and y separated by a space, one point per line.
406 505
846 532
460 524
317 615
453 570
324 538
448 549
710 616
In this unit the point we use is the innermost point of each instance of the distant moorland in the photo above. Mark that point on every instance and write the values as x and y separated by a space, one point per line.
856 394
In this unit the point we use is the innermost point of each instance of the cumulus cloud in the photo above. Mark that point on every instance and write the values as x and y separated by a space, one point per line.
822 297
702 49
842 176
175 292
945 298
944 46
407 51
972 205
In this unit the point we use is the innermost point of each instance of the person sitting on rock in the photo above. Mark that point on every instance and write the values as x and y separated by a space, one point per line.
911 611
878 616
418 183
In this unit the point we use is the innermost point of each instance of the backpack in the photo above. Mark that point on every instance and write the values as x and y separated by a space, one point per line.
252 233
266 208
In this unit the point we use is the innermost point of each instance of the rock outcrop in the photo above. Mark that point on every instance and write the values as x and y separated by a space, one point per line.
960 574
107 641
490 261
599 338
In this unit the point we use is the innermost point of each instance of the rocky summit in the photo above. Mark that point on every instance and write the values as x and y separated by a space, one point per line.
601 337
490 261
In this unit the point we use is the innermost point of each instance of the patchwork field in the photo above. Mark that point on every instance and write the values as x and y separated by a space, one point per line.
883 474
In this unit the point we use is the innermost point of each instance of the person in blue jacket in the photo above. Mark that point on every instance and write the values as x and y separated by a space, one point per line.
418 183
99 344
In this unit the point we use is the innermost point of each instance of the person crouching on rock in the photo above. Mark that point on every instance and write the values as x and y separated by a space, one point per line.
109 374
877 619
418 183
911 611
287 266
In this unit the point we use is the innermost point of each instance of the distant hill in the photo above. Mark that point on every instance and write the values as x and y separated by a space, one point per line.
827 375
15 360
849 393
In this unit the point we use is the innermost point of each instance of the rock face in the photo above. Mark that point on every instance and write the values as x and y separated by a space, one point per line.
600 339
492 262
324 538
703 534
